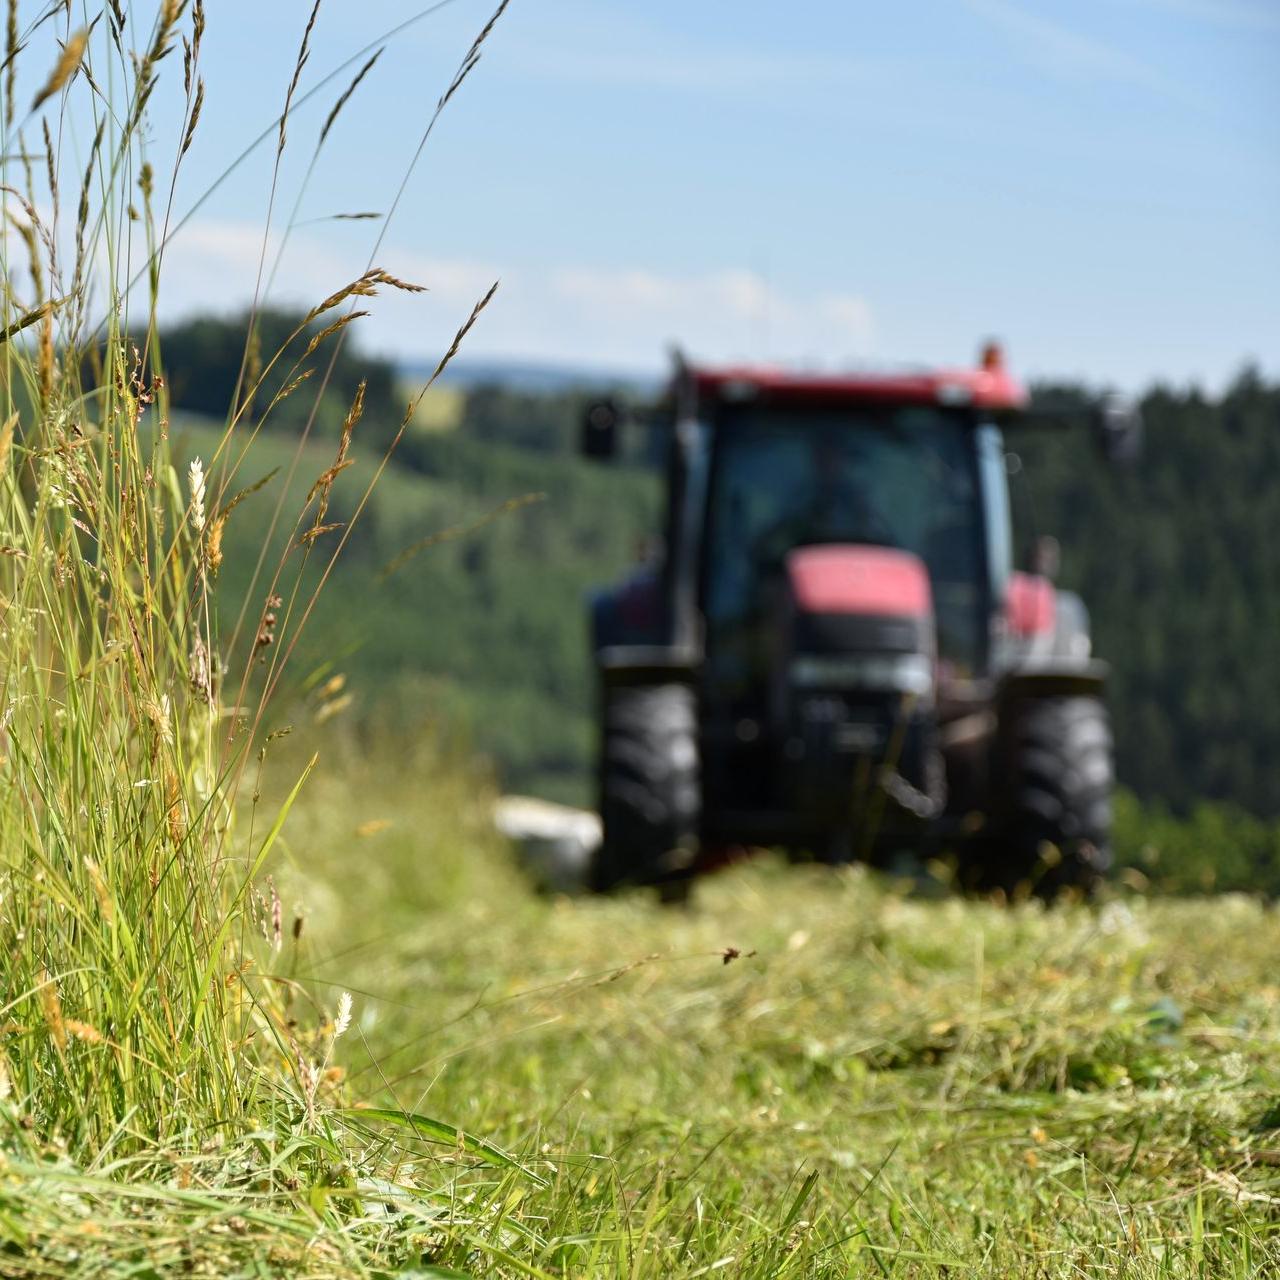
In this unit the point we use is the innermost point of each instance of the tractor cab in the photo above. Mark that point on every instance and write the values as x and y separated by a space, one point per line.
789 470
829 652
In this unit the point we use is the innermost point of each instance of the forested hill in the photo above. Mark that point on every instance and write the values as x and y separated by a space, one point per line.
1178 558
1179 561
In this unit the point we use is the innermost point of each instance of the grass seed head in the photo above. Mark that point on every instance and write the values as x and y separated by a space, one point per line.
6 441
83 1031
106 903
213 544
157 710
11 62
52 1009
277 917
67 65
195 116
267 629
173 809
333 686
335 706
343 99
195 479
199 673
343 1020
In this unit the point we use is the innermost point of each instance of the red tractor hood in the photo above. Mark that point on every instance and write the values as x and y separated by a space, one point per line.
851 579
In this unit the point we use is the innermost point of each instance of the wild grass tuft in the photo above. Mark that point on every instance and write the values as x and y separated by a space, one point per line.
156 1063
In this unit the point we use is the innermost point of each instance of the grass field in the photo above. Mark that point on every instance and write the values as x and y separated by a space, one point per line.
879 1084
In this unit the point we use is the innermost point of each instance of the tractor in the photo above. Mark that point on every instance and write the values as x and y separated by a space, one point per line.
832 653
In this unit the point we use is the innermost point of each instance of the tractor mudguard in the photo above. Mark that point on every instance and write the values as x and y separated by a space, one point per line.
638 664
1052 679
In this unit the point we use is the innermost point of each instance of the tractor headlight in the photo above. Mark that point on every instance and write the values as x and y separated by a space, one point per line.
895 673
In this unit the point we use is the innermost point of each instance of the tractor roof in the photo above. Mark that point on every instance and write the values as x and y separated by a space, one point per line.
989 386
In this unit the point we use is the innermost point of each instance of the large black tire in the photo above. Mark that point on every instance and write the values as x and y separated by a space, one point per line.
649 787
1052 798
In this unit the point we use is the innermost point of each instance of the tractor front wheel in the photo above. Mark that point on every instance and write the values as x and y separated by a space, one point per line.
1053 798
649 789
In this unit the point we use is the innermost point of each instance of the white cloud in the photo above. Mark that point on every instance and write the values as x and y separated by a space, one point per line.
727 314
213 266
624 316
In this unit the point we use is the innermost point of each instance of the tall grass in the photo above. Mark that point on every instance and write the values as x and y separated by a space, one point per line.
123 924
146 1015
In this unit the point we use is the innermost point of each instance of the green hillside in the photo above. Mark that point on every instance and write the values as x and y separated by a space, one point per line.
485 631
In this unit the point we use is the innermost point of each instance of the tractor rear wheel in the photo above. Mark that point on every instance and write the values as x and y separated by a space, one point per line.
649 790
1054 828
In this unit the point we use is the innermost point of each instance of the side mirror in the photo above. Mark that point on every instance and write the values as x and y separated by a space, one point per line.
599 439
1117 426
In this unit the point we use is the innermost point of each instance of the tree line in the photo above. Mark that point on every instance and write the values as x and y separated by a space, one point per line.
1176 557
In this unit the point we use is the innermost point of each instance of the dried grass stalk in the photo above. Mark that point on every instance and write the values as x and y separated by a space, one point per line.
304 53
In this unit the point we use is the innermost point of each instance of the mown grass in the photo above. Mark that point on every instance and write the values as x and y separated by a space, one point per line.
881 1082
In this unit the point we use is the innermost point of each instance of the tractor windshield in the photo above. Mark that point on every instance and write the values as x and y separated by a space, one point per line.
901 477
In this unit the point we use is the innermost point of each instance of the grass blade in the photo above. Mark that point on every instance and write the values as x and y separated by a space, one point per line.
438 1131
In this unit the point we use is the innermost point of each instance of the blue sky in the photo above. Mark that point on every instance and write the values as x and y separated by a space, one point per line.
1097 183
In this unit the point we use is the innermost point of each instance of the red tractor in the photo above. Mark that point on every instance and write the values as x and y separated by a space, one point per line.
833 654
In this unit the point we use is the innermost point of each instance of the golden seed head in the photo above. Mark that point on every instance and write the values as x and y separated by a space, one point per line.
67 65
106 903
52 1008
